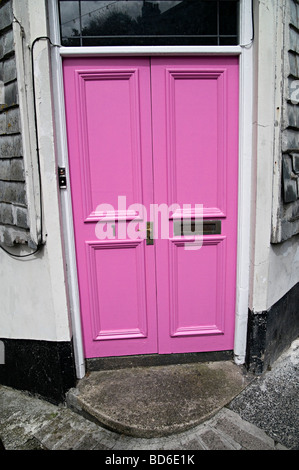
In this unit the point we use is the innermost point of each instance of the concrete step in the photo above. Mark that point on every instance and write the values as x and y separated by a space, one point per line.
149 402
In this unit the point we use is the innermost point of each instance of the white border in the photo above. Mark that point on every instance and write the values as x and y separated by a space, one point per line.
245 158
65 195
245 183
148 50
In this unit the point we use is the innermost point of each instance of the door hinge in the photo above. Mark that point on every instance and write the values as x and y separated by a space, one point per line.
62 178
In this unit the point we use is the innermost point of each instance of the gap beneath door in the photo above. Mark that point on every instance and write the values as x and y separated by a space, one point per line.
148 360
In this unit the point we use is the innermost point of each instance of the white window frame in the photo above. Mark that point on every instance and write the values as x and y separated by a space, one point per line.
244 51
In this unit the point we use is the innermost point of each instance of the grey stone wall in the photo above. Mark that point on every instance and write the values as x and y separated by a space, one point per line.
13 207
289 208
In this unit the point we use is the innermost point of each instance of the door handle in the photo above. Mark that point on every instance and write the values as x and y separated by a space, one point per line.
149 233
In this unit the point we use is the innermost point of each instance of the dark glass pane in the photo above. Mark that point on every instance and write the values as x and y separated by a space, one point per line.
69 21
228 41
135 17
228 18
144 22
71 42
148 41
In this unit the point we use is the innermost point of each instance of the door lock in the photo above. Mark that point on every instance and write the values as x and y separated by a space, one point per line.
149 233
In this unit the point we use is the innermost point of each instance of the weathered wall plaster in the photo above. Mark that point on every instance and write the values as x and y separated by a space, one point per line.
33 290
274 268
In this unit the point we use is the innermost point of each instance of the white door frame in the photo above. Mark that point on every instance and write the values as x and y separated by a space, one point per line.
245 158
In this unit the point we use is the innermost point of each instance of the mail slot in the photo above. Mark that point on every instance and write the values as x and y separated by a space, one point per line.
205 227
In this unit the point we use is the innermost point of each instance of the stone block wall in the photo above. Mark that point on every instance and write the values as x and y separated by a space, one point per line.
13 205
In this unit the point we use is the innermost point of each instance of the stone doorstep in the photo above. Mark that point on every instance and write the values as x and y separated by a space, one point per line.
150 402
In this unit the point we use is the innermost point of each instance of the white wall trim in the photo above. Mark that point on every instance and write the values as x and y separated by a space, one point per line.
245 158
149 50
245 182
65 196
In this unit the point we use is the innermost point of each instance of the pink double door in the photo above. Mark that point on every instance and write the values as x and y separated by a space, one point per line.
152 140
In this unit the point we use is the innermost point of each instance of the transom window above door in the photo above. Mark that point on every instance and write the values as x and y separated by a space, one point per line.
149 23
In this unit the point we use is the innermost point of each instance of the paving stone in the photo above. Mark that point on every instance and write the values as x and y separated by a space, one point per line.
32 444
193 444
21 416
213 441
100 446
51 434
85 443
68 430
109 440
124 443
245 434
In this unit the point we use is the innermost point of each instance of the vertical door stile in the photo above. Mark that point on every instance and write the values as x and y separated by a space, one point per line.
154 202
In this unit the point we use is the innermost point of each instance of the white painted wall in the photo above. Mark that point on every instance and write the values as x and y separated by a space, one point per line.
274 268
33 290
33 306
283 269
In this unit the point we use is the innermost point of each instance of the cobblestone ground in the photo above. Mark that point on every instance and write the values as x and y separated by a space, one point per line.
29 423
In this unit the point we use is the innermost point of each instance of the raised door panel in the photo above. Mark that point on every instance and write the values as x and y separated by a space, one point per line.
108 112
195 136
197 289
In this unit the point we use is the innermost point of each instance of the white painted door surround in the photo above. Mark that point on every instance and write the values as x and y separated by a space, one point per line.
245 53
